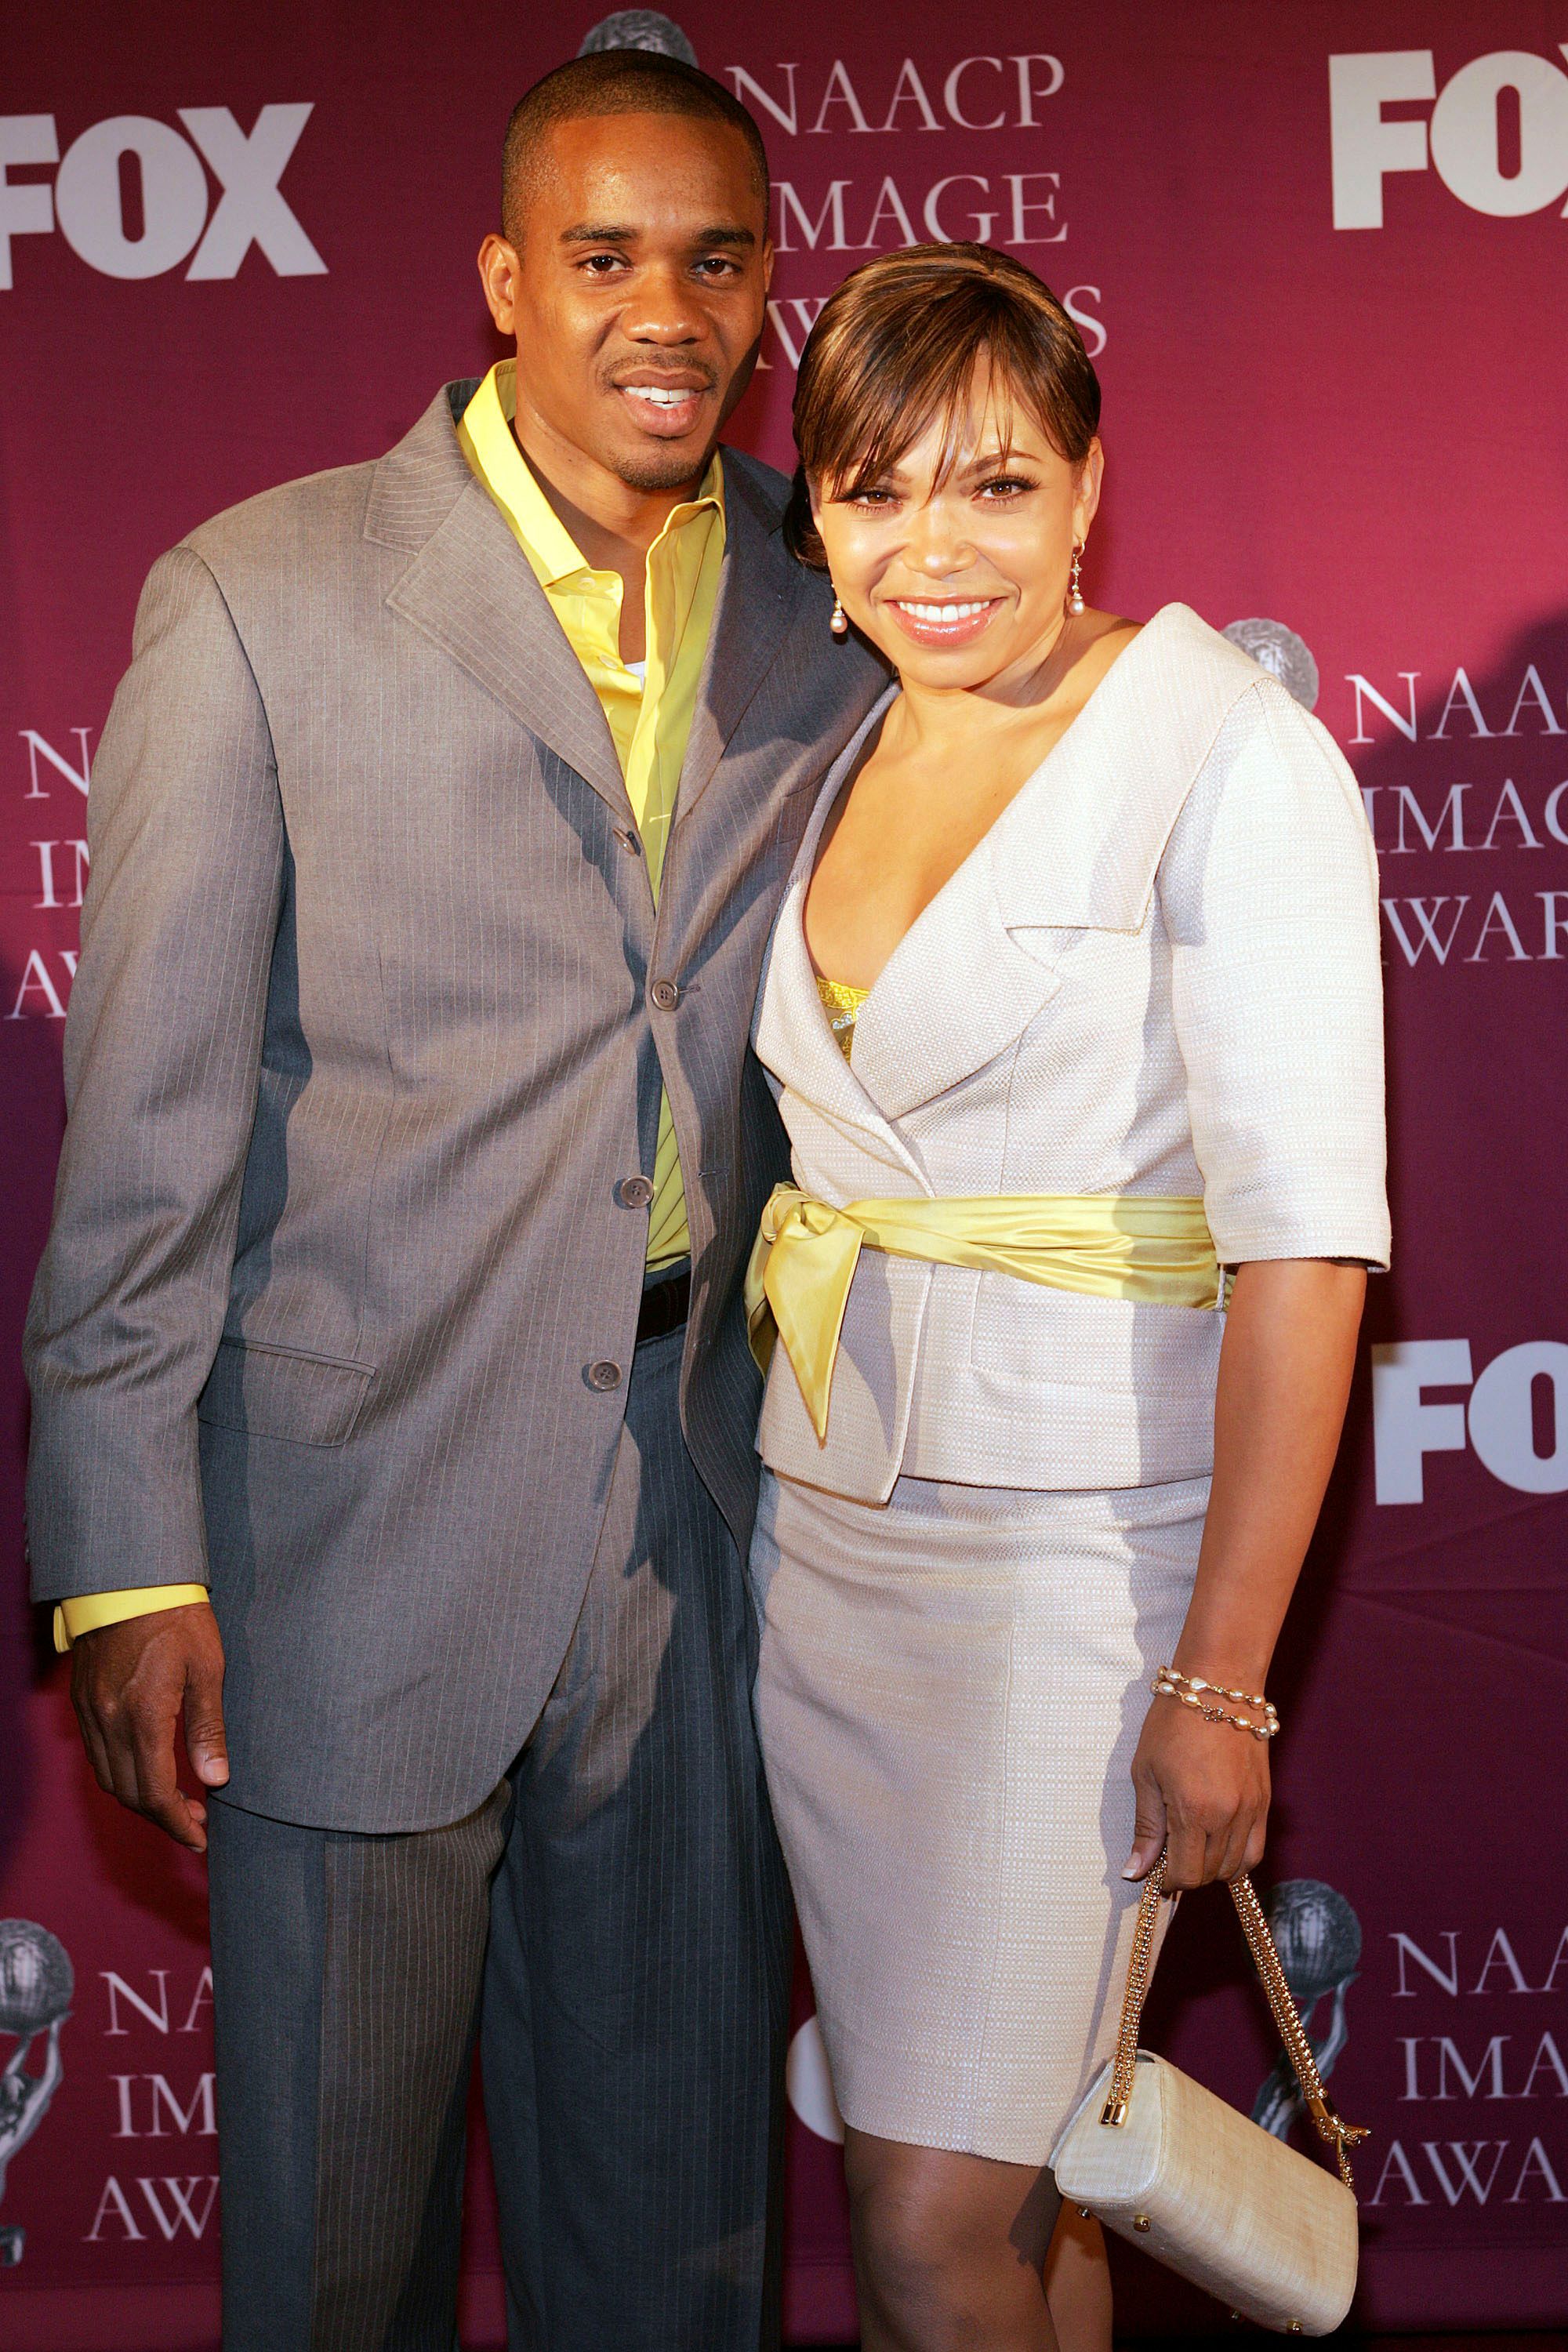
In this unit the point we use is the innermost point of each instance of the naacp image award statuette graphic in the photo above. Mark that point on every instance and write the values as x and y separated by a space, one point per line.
1282 652
638 28
1318 1938
35 1987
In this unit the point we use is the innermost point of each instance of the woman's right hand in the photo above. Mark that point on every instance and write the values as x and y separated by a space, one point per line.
1202 1791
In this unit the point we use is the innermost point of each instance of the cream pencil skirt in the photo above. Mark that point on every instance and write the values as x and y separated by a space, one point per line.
949 1690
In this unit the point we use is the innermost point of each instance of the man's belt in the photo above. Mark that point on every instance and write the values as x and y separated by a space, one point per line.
665 1306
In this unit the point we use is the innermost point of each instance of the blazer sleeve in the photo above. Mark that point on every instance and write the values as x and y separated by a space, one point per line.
1269 890
163 1053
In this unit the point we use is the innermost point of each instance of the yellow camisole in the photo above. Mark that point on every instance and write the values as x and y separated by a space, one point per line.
841 1003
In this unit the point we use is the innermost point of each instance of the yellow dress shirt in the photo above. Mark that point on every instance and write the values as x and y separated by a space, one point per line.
649 719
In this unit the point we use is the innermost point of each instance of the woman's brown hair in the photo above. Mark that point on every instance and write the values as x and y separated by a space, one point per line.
897 344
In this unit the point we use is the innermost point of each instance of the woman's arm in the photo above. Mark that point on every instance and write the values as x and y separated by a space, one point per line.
1284 1378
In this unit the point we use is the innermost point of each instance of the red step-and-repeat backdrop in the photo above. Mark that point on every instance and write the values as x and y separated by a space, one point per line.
1317 253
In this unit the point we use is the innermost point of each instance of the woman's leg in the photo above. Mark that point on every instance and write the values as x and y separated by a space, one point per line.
949 2249
1078 2284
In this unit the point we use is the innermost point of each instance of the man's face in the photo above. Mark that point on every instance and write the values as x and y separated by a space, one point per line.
636 296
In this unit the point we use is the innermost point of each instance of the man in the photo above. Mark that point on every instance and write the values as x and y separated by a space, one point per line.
437 831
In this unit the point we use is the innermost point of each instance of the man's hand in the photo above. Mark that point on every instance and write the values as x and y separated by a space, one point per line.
130 1684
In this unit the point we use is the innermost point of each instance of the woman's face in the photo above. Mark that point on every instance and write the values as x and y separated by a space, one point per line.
962 583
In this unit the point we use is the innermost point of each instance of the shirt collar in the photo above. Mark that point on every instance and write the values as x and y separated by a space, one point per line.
492 450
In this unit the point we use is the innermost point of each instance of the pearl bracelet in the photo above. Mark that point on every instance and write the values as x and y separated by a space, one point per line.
1189 1690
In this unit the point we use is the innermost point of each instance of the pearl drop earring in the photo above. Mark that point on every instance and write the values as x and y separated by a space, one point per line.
1075 595
838 620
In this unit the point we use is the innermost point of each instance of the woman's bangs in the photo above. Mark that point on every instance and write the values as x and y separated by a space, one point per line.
961 387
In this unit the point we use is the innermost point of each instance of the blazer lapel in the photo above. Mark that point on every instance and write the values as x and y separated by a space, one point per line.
758 590
1078 847
792 1037
955 992
470 589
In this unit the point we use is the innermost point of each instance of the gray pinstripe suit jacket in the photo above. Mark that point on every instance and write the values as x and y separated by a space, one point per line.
361 1045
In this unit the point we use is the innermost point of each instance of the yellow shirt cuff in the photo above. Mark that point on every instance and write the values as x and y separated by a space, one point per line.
85 1615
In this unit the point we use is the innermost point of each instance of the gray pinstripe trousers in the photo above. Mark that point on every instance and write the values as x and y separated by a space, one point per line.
612 1922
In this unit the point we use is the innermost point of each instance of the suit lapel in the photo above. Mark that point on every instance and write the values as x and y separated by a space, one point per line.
472 591
758 592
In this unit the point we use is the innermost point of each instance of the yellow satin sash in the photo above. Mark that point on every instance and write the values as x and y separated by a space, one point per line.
1151 1248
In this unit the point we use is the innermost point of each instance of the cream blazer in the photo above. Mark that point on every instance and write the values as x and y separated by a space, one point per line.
1158 972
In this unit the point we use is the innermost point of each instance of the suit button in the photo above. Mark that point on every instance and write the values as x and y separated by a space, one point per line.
628 841
603 1376
634 1192
665 995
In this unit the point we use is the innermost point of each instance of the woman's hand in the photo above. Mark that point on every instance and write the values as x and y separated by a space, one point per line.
1201 1789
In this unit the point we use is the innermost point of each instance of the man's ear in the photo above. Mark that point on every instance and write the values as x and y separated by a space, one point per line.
767 263
498 267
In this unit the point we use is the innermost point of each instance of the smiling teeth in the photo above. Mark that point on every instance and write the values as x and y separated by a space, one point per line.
660 397
942 612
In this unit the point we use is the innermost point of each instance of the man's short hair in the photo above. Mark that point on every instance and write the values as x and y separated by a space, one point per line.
613 82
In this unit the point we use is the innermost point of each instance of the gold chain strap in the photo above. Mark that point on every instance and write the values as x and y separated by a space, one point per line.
1332 2128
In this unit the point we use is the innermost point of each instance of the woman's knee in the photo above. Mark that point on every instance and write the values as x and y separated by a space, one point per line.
910 2239
950 2237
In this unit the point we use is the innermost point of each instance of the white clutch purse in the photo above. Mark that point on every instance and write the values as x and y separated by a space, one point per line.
1205 2190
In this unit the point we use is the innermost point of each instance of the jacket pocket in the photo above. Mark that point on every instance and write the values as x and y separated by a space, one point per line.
268 1391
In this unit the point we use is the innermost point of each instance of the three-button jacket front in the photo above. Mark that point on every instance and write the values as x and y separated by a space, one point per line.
635 1191
665 995
603 1376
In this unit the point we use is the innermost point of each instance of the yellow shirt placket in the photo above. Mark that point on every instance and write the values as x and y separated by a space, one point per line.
650 720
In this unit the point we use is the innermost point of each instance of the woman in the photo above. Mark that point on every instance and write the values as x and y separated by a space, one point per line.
1074 1001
